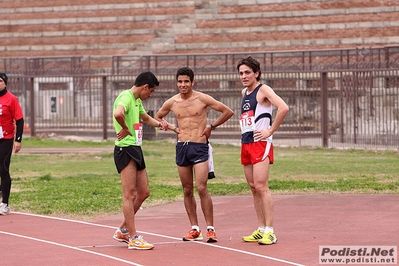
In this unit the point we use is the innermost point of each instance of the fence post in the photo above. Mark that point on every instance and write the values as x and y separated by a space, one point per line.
30 84
324 109
105 113
149 131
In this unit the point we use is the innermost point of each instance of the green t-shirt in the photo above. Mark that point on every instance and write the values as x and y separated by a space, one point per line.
133 109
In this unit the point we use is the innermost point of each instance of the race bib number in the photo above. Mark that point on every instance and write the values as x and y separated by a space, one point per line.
138 130
247 122
1 132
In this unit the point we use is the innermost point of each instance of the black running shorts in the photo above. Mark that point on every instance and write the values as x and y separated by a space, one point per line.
123 155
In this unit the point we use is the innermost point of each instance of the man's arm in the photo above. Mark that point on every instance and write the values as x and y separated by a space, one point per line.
119 115
18 134
147 119
225 115
279 104
225 111
163 112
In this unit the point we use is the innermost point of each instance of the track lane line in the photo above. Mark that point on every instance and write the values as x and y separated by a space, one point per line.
168 237
70 247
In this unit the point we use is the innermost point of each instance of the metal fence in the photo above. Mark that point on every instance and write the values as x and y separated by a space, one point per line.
347 98
336 108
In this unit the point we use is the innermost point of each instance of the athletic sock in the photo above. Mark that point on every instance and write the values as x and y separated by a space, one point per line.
261 229
196 227
210 228
269 229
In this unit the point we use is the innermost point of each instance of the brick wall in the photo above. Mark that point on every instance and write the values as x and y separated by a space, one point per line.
39 28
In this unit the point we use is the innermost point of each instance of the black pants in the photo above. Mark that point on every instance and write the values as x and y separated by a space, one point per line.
6 146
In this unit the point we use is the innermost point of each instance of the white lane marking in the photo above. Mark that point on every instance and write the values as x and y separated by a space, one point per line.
71 247
164 236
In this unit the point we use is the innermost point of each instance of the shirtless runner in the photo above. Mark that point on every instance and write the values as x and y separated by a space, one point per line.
190 110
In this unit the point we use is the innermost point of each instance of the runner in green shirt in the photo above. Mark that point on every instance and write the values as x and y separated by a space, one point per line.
129 160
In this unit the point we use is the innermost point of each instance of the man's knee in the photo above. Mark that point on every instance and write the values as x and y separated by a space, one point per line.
260 187
202 190
188 191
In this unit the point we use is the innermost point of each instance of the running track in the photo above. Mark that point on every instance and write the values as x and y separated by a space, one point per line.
302 224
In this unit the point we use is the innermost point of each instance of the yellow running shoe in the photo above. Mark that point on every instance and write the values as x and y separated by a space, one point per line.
255 237
138 242
268 239
121 237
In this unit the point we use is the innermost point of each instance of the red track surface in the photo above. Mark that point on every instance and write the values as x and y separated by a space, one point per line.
302 224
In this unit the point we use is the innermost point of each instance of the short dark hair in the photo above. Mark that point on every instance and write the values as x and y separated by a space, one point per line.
4 77
252 63
185 71
146 78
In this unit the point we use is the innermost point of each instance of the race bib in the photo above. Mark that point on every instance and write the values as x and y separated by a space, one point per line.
1 132
247 122
138 130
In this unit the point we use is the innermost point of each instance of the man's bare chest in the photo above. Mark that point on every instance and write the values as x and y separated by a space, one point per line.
188 108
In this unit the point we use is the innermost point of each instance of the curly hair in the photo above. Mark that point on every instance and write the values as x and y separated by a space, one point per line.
252 63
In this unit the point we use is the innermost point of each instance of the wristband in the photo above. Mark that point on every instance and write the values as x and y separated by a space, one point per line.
213 127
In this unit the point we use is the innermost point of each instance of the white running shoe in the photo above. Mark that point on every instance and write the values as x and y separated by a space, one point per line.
4 209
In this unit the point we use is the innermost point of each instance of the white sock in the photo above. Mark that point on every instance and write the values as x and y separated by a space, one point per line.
269 229
261 229
210 228
196 227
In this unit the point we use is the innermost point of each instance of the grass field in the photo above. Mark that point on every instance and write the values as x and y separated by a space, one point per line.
87 185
